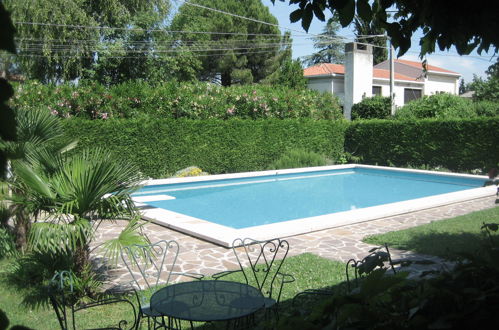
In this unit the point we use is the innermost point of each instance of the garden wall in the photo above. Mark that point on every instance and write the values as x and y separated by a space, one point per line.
160 147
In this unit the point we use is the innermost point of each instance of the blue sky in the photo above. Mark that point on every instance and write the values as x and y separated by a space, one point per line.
302 45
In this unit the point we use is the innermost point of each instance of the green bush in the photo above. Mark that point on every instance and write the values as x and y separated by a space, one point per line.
441 106
486 108
161 146
459 145
295 158
135 99
7 243
377 107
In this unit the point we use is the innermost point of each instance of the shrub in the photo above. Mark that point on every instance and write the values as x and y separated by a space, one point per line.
7 243
486 108
459 145
441 106
295 158
377 107
159 146
135 99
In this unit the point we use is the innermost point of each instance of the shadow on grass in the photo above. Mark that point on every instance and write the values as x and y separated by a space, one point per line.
449 246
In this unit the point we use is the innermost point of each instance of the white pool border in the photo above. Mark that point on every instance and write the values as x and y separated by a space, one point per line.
223 235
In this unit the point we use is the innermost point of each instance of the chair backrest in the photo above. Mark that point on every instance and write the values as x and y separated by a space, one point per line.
261 262
150 264
378 258
61 297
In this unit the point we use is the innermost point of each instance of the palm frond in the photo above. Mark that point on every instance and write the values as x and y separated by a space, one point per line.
59 237
130 235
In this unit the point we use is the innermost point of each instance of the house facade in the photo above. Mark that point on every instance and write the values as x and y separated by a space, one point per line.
358 78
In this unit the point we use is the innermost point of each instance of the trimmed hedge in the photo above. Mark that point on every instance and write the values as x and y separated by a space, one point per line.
160 147
458 145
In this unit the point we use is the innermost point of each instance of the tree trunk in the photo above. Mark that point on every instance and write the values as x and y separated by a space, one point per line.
22 225
81 258
226 79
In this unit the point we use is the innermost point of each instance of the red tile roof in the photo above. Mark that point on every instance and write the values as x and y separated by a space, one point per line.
385 74
324 69
329 68
419 65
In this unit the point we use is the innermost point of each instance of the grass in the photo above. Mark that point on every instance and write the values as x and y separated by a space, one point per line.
445 238
309 270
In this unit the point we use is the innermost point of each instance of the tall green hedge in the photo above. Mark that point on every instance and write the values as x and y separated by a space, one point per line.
459 145
162 146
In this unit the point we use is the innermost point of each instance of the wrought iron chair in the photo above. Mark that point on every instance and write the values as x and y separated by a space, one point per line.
260 263
60 293
378 258
150 266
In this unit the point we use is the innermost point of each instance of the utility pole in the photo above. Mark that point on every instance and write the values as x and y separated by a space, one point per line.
392 79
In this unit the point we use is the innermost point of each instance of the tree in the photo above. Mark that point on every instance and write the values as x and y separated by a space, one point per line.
486 90
463 24
59 40
235 50
364 31
7 120
331 49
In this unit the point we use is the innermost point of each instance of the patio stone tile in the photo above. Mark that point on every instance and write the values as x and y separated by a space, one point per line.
341 243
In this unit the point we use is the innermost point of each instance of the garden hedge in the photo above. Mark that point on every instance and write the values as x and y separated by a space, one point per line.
458 145
160 147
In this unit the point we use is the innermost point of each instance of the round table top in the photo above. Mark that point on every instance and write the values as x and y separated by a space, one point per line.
210 300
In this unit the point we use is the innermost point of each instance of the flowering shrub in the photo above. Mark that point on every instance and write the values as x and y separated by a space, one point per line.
173 100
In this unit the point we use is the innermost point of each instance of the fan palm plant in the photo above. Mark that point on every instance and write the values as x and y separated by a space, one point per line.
74 194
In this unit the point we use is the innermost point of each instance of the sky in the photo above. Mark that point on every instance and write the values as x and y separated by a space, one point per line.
450 60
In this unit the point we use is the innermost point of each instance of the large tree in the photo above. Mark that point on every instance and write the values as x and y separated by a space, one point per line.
486 89
464 24
331 47
64 39
235 50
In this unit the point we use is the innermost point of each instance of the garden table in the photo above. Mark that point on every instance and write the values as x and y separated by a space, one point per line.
207 301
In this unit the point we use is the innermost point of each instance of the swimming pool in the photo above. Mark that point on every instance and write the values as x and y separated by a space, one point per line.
270 204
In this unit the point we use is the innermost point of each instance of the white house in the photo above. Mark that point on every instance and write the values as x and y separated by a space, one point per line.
358 78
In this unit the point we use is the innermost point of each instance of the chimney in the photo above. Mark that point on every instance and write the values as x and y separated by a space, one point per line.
358 75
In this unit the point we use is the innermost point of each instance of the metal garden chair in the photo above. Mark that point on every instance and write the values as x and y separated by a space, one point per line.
260 264
60 293
378 258
151 266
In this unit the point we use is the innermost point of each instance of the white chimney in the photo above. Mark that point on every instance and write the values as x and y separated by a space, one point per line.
358 75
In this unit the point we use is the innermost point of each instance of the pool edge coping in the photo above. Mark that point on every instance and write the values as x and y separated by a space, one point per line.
224 236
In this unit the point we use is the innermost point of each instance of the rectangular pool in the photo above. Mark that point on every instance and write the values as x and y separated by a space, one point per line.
268 204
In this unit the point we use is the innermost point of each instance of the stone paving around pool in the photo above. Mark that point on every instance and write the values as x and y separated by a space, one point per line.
342 243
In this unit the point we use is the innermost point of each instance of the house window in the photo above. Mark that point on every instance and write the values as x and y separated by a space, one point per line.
377 90
411 94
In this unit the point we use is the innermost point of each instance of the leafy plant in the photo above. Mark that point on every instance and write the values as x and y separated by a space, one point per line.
441 106
299 158
377 107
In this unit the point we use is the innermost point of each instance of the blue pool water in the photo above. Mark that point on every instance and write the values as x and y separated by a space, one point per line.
241 203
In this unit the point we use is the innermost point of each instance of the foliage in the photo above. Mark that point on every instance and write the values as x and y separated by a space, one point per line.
69 38
295 158
463 298
487 90
377 107
7 120
7 243
330 49
159 146
442 106
189 171
134 99
289 74
459 145
486 108
462 25
241 51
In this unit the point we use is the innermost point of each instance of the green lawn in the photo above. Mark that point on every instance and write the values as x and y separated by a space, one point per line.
309 270
444 238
